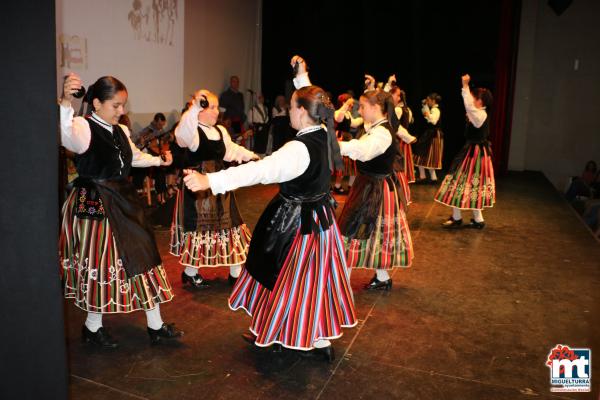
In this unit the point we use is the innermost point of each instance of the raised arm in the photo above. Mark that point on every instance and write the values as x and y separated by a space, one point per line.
476 115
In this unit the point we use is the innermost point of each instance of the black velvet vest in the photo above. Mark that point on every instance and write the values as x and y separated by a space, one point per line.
383 164
101 160
315 180
477 135
208 150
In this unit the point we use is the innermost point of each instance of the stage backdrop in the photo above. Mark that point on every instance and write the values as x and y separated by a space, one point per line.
161 50
223 38
140 42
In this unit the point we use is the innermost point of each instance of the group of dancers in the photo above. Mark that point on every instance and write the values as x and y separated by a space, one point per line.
292 273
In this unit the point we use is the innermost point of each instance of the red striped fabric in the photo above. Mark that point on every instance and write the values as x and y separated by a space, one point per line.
311 299
93 273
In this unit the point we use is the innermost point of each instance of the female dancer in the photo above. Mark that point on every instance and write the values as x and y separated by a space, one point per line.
429 149
373 222
208 230
295 284
110 262
469 184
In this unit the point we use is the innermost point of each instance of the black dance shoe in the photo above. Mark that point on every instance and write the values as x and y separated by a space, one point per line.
476 225
195 281
100 338
166 331
376 284
231 280
452 223
326 352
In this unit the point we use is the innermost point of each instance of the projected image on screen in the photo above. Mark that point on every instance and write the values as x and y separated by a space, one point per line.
153 20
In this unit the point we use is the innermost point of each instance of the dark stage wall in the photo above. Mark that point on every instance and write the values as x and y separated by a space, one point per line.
424 43
32 343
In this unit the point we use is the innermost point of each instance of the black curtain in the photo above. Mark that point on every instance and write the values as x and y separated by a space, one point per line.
428 45
32 342
506 65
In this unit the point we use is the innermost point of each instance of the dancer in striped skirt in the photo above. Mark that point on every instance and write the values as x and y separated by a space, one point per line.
110 262
373 223
469 184
295 284
405 117
430 146
208 230
344 122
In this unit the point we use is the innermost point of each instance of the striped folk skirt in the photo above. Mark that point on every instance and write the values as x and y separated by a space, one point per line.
470 183
432 157
409 166
207 248
93 273
311 300
384 242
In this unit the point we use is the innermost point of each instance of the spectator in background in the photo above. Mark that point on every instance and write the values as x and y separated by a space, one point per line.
259 118
152 131
233 102
281 123
585 185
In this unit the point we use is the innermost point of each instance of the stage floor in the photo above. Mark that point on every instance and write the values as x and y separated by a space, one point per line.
475 317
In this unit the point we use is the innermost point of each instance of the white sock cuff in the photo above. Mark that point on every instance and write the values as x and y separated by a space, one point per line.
382 275
235 270
319 344
477 215
456 214
93 321
154 319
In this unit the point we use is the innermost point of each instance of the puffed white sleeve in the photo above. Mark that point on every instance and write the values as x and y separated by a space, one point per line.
368 146
301 80
186 133
285 164
356 122
233 151
403 134
476 115
434 115
75 133
140 159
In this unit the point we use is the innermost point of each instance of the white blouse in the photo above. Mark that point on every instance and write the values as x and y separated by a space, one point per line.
75 135
285 164
434 113
187 135
476 115
374 142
